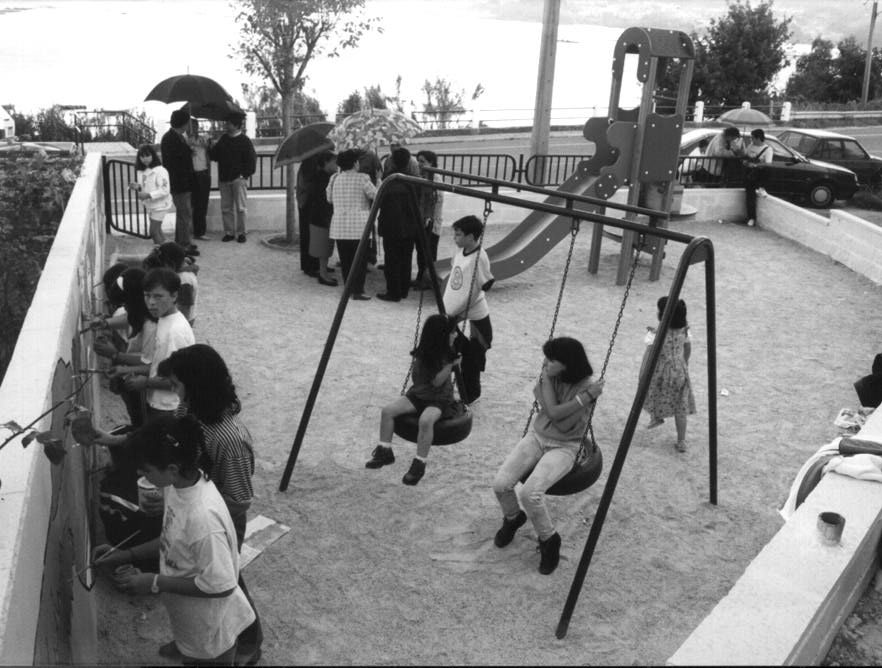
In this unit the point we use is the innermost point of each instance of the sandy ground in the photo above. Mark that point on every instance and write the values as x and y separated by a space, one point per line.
374 572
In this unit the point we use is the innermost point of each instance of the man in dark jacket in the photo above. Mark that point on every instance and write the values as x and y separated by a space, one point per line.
177 158
236 162
396 223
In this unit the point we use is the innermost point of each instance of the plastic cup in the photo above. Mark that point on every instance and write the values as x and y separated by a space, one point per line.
830 526
149 498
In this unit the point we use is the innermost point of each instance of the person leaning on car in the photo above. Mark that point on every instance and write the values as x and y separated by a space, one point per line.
757 153
727 144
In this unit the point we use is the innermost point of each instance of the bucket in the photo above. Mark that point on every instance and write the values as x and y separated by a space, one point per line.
149 497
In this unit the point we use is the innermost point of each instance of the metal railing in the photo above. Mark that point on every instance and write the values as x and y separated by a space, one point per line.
109 125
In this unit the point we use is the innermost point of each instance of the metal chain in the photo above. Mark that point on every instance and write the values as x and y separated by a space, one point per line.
589 427
574 231
416 340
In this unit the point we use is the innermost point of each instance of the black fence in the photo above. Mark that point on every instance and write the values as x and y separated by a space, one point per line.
125 213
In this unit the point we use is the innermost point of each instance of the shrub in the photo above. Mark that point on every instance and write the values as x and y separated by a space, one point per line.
33 194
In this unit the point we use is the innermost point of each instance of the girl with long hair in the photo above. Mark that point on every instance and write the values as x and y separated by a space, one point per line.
430 396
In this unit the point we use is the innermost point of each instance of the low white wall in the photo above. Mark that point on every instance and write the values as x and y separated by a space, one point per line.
52 324
789 604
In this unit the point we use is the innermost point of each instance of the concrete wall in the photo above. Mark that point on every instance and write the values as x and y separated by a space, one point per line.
46 618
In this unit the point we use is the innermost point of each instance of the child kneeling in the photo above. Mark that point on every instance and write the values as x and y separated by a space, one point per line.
430 396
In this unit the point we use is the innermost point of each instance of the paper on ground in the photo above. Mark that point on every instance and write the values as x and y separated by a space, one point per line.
260 533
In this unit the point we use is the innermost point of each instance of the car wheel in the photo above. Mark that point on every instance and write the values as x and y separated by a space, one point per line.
821 196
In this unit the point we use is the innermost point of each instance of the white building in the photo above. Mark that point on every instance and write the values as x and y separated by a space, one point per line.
7 125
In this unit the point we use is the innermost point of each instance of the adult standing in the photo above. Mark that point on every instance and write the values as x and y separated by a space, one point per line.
351 193
199 144
236 162
757 154
309 264
397 223
177 158
431 203
726 144
319 212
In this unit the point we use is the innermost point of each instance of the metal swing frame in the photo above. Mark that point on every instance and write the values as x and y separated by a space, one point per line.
697 250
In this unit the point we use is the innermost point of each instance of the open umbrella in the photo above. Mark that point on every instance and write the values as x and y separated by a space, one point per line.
214 111
189 88
745 116
372 128
303 143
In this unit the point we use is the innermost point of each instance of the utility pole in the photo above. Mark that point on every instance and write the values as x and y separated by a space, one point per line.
866 90
544 87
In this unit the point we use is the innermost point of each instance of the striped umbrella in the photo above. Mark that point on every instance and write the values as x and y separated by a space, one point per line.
372 128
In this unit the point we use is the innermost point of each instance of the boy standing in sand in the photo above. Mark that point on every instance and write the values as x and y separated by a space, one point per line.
464 299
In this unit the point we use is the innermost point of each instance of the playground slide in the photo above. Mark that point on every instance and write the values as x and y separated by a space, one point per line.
534 236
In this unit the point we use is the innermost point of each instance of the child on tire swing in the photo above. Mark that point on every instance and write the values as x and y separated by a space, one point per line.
565 393
430 396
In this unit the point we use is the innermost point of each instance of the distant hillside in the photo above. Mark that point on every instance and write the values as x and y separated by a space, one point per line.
810 17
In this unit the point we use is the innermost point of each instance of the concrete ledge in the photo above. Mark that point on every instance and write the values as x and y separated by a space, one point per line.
789 604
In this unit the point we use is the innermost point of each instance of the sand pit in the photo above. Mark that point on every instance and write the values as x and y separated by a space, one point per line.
374 572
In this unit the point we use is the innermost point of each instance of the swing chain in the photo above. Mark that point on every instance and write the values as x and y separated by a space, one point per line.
574 231
416 340
589 428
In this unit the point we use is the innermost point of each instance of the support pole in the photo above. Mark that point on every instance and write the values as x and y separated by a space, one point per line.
867 65
544 89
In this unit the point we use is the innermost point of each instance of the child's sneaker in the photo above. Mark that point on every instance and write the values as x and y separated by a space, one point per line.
681 446
549 551
380 457
509 527
415 473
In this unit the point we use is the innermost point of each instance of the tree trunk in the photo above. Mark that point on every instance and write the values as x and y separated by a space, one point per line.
291 213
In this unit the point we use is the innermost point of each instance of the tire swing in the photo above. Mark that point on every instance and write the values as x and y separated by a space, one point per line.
589 460
456 427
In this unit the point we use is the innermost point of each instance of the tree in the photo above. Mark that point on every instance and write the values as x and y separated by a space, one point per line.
267 104
739 56
821 77
279 38
441 101
813 77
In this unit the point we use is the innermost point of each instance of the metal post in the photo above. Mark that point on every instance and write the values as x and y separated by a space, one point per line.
869 61
544 87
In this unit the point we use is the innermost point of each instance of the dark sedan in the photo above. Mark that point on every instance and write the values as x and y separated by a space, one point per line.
790 175
837 149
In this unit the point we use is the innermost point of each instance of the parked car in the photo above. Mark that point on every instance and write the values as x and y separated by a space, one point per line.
790 175
837 149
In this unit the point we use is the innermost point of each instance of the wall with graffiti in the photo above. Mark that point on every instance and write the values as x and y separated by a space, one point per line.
46 491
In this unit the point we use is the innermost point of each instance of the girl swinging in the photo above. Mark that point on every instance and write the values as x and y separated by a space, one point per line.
430 396
565 393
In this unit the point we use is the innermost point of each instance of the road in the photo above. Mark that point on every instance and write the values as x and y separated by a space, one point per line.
572 142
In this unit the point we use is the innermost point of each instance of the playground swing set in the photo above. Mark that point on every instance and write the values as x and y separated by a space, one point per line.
636 134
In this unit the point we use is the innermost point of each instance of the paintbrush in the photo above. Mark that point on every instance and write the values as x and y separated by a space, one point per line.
105 555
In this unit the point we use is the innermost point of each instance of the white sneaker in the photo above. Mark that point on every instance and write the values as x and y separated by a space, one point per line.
751 222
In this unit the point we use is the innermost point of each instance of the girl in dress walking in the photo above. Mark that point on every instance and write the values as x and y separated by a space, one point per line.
670 391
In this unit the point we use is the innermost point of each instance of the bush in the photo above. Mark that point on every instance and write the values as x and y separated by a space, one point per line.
33 194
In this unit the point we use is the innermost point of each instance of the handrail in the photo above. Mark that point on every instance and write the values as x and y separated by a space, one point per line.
570 197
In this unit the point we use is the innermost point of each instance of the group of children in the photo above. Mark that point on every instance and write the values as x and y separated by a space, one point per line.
564 393
187 439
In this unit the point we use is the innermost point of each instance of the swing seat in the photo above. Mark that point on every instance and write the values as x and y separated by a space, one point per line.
585 472
448 430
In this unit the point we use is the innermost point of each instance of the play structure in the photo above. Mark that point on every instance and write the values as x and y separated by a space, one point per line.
640 134
634 148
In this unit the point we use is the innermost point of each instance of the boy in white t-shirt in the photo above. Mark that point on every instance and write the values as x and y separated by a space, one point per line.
161 287
464 299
